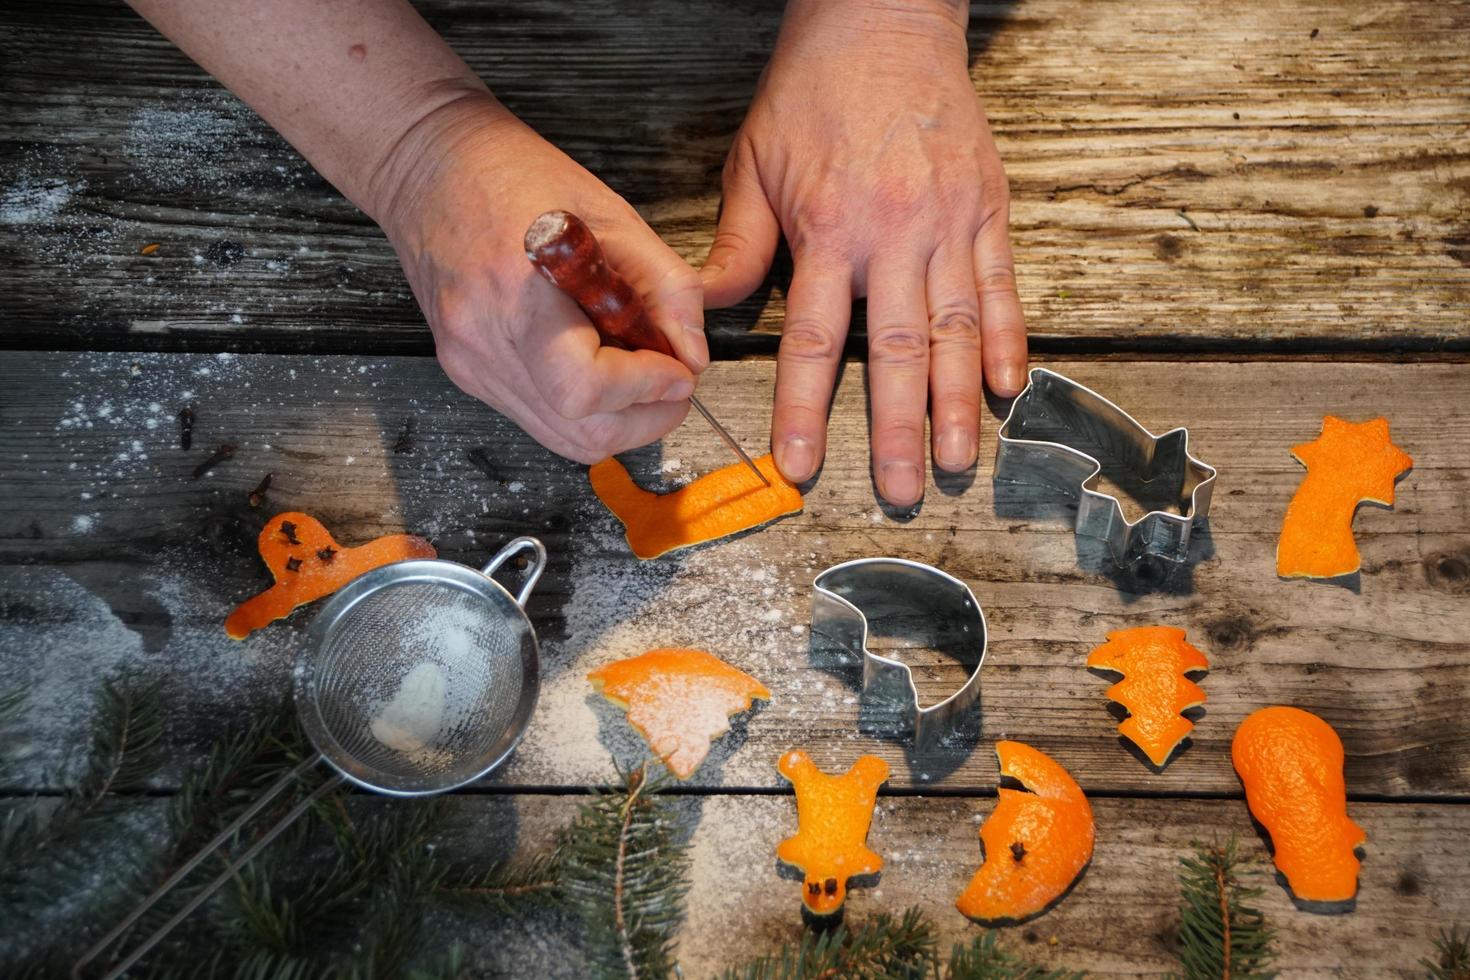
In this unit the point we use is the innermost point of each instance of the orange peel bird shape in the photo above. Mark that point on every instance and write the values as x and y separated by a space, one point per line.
1348 463
1291 764
1153 661
308 563
1036 843
833 814
678 700
714 506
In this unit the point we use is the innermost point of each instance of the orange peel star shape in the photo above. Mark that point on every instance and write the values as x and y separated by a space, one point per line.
1348 463
308 564
714 506
1153 661
1291 764
833 814
1036 843
678 700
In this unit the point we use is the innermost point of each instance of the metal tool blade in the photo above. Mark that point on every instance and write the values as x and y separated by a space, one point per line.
729 439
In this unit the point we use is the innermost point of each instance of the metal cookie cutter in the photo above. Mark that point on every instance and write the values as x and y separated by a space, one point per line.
907 598
1057 435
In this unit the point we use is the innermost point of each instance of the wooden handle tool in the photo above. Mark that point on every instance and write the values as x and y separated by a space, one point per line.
562 247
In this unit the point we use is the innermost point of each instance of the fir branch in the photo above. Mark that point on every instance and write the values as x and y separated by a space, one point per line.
1220 936
1453 951
882 949
983 959
507 887
626 878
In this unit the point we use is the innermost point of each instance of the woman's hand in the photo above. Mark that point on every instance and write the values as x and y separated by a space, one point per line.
456 197
867 147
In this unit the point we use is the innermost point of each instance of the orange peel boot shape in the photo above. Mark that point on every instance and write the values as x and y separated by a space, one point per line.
308 564
1153 661
1036 843
1347 464
678 700
833 814
714 506
1291 764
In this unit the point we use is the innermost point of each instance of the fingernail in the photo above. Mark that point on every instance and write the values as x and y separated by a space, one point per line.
956 450
796 459
698 345
1012 379
678 391
900 483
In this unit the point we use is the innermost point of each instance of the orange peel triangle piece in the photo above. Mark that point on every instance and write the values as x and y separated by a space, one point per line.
1036 843
1291 764
308 563
678 700
1348 463
714 506
1153 661
833 814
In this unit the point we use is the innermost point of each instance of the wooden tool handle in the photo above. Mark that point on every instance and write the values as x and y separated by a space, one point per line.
562 246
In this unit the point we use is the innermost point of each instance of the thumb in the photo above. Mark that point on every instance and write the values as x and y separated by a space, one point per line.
745 242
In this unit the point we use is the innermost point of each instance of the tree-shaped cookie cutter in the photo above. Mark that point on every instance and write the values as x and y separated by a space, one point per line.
1054 436
938 604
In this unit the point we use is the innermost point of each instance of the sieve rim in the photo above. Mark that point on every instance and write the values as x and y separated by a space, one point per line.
440 573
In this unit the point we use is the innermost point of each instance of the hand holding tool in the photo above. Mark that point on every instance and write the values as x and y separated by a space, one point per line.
564 250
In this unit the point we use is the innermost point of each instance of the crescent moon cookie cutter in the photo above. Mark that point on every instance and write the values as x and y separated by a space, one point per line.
910 599
1058 434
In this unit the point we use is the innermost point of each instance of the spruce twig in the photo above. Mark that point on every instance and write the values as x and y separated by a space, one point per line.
1453 956
625 876
507 887
983 959
1221 937
883 948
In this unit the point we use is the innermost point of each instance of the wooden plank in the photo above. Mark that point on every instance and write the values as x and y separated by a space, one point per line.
1120 920
112 558
1186 177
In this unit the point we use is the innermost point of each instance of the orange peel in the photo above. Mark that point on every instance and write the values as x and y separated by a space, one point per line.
1036 843
1153 661
1291 764
307 563
678 700
833 814
714 506
1350 462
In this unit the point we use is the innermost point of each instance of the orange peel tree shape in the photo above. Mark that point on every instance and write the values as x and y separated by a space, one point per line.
1291 764
678 700
1153 661
833 814
714 506
308 563
1347 464
1036 843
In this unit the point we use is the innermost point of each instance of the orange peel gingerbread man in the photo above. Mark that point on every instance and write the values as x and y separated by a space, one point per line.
833 814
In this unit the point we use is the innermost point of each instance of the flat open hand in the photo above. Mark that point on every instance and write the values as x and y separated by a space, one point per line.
867 147
464 186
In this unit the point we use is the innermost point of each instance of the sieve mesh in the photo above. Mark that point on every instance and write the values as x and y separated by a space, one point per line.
418 682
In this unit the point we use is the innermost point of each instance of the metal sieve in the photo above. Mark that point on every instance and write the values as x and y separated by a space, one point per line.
415 678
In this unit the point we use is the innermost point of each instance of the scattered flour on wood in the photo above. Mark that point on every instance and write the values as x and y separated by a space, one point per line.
32 200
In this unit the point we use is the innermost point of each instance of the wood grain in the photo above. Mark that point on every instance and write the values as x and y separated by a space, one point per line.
112 558
1186 178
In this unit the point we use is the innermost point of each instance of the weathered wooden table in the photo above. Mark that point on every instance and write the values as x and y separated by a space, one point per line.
1235 217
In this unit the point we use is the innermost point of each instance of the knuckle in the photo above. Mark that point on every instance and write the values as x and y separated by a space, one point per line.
809 339
900 430
955 325
571 397
997 279
898 345
900 195
823 214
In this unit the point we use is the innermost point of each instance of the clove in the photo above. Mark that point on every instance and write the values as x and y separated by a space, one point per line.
327 554
405 443
293 564
288 528
257 496
221 453
186 427
1018 850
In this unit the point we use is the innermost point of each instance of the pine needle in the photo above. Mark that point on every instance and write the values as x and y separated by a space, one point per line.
983 959
1453 958
625 876
1220 936
883 948
507 887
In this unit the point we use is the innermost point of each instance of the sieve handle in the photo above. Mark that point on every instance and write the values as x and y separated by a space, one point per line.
533 570
222 837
